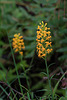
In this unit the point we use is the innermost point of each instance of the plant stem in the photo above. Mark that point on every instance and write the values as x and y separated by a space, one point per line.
18 77
48 78
16 68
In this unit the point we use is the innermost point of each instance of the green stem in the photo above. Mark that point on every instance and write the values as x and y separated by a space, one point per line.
18 76
48 78
55 88
16 68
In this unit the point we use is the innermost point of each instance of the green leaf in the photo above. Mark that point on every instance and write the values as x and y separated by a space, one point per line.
28 96
32 95
44 73
42 90
56 86
52 76
51 65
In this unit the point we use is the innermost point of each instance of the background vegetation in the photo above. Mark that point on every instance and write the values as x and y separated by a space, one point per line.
23 16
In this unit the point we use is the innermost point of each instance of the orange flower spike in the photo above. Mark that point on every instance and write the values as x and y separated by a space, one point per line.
43 40
18 43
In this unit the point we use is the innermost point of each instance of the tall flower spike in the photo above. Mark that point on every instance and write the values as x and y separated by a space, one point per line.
44 46
18 43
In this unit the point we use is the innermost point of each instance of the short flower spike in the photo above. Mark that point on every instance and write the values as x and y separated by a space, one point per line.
44 46
18 43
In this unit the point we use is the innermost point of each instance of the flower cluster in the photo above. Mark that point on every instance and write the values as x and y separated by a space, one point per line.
18 43
43 40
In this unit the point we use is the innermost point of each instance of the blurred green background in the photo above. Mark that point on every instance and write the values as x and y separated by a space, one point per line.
23 16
